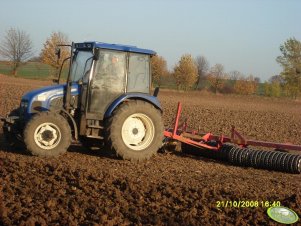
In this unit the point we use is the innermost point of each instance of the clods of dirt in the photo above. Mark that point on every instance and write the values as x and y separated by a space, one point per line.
85 187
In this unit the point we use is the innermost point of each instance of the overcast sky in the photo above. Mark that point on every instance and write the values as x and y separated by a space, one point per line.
243 35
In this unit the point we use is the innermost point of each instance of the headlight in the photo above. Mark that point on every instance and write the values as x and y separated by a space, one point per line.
24 104
42 97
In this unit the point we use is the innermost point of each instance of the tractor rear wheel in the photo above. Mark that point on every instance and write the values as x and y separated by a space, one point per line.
47 134
135 130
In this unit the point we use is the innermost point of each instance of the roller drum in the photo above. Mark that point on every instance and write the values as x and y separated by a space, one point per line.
272 160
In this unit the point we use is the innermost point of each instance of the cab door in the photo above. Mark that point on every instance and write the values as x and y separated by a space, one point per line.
108 82
80 72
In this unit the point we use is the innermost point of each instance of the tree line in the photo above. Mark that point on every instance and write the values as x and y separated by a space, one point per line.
196 74
188 74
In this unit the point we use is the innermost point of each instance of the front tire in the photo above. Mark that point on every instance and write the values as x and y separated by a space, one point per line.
135 131
47 134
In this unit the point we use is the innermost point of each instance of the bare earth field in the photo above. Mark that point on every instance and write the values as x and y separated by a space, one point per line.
94 188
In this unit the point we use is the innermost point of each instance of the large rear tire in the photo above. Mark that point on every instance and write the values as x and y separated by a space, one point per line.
47 134
135 130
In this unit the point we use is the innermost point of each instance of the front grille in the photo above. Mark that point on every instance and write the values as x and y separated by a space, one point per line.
23 107
22 111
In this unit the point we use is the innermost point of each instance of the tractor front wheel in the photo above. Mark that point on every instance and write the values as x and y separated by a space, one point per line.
135 131
47 134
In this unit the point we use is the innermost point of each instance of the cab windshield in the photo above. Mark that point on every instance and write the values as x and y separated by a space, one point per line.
81 65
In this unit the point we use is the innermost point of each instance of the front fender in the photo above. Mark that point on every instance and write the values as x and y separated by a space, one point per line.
133 96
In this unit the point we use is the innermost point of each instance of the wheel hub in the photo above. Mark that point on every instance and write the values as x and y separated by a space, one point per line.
137 131
133 131
47 136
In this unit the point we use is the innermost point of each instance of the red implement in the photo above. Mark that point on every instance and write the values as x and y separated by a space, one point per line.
195 138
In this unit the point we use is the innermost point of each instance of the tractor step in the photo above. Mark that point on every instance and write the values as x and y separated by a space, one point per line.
94 129
94 126
95 137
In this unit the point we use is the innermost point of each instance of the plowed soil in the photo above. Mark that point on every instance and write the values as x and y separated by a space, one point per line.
85 187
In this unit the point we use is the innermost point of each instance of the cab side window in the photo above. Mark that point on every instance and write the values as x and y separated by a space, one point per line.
139 73
108 81
110 71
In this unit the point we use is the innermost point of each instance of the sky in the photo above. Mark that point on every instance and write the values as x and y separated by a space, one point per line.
242 35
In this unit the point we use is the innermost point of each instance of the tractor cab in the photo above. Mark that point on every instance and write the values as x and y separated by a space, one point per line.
107 75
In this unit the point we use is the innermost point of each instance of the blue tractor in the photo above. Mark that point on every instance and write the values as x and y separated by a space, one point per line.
106 98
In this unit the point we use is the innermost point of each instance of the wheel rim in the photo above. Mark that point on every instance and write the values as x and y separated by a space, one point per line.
138 131
47 136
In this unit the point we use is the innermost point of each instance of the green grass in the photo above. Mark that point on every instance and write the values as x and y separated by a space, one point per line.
33 70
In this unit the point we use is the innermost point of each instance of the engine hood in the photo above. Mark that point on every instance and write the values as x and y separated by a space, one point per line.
45 95
44 90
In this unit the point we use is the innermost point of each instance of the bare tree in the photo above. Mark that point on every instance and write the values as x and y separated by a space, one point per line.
217 77
235 75
16 47
203 67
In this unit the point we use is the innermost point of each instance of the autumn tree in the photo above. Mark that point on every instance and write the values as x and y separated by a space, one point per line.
217 77
239 86
272 89
16 47
48 53
290 60
185 72
233 78
276 78
246 85
159 69
203 67
274 86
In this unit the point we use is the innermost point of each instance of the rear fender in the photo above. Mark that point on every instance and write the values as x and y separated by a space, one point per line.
133 96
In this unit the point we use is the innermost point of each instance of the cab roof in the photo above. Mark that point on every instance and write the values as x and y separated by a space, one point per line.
118 47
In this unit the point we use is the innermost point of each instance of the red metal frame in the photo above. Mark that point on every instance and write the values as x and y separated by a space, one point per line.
195 138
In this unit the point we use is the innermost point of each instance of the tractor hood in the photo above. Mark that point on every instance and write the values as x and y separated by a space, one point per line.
42 97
